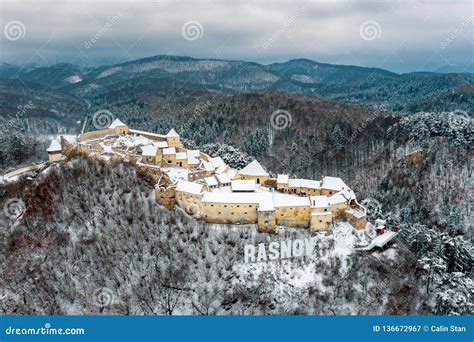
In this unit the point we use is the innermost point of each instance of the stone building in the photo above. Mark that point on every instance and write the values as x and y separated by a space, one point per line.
254 171
54 151
119 127
172 138
208 189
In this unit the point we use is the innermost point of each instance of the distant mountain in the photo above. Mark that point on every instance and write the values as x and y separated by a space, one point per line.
55 76
46 109
128 81
460 68
8 70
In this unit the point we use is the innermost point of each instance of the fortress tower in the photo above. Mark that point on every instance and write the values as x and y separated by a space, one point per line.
54 151
172 138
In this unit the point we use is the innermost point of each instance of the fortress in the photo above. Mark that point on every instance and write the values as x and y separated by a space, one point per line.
210 190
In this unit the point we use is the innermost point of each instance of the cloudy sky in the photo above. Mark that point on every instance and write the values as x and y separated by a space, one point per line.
397 35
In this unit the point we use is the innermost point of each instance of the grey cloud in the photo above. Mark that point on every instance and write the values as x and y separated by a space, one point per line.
263 31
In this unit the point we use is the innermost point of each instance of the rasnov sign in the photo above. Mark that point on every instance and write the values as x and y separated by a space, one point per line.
279 250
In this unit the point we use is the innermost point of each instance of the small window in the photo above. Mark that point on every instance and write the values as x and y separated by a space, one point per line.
325 209
320 220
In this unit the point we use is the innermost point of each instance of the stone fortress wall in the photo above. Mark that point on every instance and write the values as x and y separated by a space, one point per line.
209 190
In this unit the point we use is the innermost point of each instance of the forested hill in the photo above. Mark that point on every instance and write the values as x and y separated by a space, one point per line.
154 75
100 224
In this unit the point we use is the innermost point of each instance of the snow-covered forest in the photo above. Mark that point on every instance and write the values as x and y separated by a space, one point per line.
92 240
93 233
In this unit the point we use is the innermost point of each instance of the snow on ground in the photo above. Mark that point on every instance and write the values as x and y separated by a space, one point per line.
71 138
296 274
390 253
131 141
73 79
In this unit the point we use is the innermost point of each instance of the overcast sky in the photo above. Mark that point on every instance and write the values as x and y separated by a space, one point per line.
397 35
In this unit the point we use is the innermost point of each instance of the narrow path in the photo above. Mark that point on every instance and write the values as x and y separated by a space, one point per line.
9 177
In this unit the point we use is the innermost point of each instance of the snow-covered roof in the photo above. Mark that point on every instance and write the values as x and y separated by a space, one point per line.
380 222
189 187
282 179
304 183
253 169
221 169
192 160
116 123
336 199
231 173
161 144
193 153
211 181
176 173
265 203
216 162
223 178
172 133
294 183
309 183
181 156
207 166
319 201
231 197
136 131
243 185
333 183
380 240
348 195
169 150
54 146
357 213
149 150
286 200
